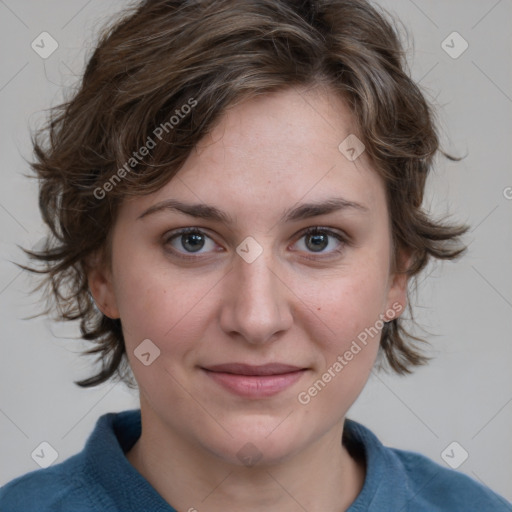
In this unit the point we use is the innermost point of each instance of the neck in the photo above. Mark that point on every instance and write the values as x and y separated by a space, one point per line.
322 477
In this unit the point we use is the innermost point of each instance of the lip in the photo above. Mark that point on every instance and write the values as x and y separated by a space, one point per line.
255 381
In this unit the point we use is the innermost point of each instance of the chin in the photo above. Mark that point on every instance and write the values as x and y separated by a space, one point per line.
257 443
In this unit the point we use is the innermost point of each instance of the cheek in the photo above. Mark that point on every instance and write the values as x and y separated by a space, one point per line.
147 305
165 304
352 303
348 316
350 322
141 300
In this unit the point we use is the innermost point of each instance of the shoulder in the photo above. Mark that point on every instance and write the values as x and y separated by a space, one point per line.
435 487
88 480
406 480
59 488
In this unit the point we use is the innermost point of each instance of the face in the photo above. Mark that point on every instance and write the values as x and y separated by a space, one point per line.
302 310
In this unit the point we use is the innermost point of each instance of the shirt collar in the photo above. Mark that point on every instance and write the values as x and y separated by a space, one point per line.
116 433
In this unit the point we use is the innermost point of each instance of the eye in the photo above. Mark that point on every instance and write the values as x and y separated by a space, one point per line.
318 238
193 240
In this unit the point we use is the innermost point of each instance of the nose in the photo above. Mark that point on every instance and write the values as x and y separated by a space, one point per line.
257 306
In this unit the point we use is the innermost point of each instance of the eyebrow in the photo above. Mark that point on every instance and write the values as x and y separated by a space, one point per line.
301 212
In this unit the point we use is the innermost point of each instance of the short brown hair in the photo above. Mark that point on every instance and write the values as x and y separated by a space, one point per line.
164 54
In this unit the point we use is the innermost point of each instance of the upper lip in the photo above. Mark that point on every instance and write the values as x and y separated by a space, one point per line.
247 369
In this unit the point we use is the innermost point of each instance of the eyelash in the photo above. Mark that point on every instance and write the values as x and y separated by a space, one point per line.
314 230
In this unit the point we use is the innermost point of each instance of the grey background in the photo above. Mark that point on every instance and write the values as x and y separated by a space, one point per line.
464 395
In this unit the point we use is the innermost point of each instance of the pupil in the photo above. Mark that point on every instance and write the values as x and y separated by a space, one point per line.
196 244
318 242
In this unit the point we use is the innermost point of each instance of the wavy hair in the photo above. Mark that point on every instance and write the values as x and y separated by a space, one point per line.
152 60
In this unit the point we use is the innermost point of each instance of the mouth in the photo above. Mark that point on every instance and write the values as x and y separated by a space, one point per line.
255 381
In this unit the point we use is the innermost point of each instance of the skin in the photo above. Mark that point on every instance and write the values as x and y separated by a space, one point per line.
293 304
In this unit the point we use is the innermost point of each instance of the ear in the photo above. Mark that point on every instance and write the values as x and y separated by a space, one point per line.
99 277
398 281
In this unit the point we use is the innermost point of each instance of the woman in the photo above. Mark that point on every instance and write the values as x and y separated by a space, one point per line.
235 198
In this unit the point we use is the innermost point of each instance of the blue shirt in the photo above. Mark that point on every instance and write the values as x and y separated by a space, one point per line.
100 478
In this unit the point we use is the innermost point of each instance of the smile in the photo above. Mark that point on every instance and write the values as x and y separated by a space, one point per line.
255 381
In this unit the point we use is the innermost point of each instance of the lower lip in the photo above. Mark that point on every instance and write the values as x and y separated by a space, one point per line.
255 386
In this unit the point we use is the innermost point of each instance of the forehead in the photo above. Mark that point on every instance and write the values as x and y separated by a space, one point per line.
274 150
